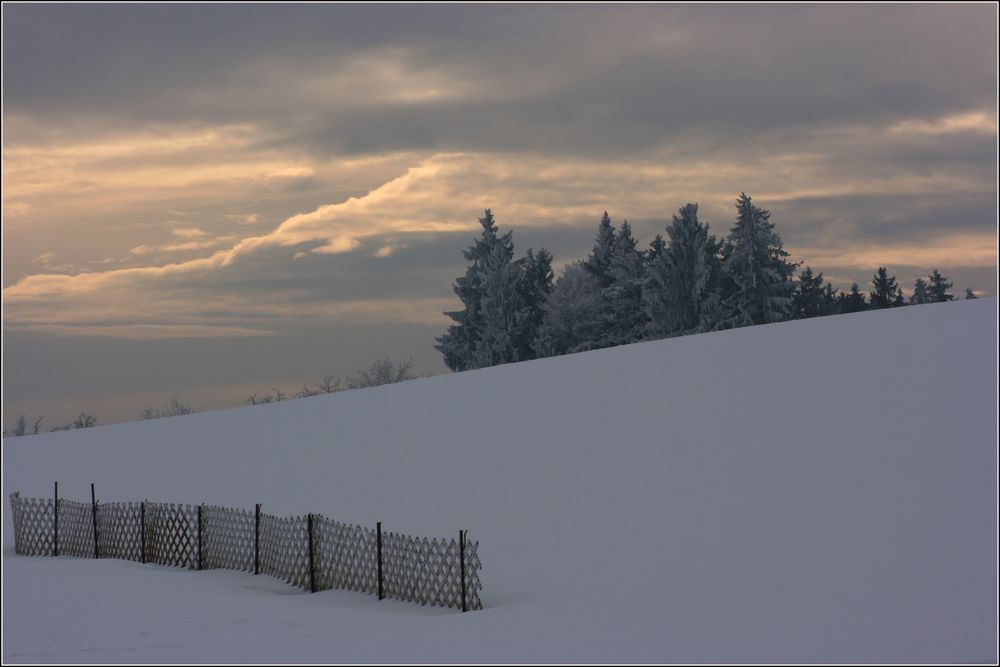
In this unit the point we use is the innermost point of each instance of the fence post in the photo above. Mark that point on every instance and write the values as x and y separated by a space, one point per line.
93 512
142 531
256 541
55 523
312 568
378 533
461 558
199 535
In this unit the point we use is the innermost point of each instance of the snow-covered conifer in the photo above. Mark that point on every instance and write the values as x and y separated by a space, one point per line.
681 277
624 314
534 288
757 277
600 257
573 315
461 343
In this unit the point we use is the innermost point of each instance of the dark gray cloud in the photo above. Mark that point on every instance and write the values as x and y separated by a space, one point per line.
576 79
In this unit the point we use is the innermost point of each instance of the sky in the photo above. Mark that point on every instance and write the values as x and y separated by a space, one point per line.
212 200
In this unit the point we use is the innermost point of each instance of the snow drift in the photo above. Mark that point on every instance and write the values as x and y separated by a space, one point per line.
818 490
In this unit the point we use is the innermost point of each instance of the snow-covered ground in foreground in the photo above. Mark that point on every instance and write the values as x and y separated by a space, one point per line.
821 490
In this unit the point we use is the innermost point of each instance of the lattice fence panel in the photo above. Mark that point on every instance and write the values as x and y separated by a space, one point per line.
76 529
172 534
227 538
284 548
34 525
345 556
472 582
119 531
417 569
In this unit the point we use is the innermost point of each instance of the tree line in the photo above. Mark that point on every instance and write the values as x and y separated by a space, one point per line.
689 282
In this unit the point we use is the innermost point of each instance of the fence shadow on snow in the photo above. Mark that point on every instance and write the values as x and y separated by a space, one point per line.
311 551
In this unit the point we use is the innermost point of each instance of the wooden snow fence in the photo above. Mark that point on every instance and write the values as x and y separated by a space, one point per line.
311 551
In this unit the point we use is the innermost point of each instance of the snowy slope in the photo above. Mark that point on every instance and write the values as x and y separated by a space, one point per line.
820 490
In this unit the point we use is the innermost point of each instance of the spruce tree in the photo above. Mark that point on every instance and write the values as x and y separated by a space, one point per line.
828 301
573 315
624 315
600 257
503 310
681 277
810 298
920 294
656 249
853 301
938 288
885 292
757 276
462 343
534 288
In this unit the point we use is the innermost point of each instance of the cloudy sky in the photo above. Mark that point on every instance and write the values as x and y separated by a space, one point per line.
210 200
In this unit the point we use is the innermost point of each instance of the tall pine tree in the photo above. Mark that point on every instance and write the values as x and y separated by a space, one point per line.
757 277
681 277
920 294
623 294
534 288
504 312
484 331
885 292
599 262
573 315
812 298
938 288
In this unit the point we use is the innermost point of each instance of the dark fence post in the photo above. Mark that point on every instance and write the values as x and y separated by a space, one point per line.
378 533
93 511
55 523
142 532
199 536
312 567
461 558
256 541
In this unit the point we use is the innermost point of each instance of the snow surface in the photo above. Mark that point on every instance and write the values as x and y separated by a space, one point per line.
818 491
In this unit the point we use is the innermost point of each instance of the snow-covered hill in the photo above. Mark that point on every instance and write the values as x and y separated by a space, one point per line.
820 490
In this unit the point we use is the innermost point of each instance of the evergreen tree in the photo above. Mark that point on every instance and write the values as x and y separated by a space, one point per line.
599 261
489 259
969 294
573 315
828 301
757 276
885 292
811 298
503 310
681 277
624 315
534 288
656 249
853 301
920 294
938 288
